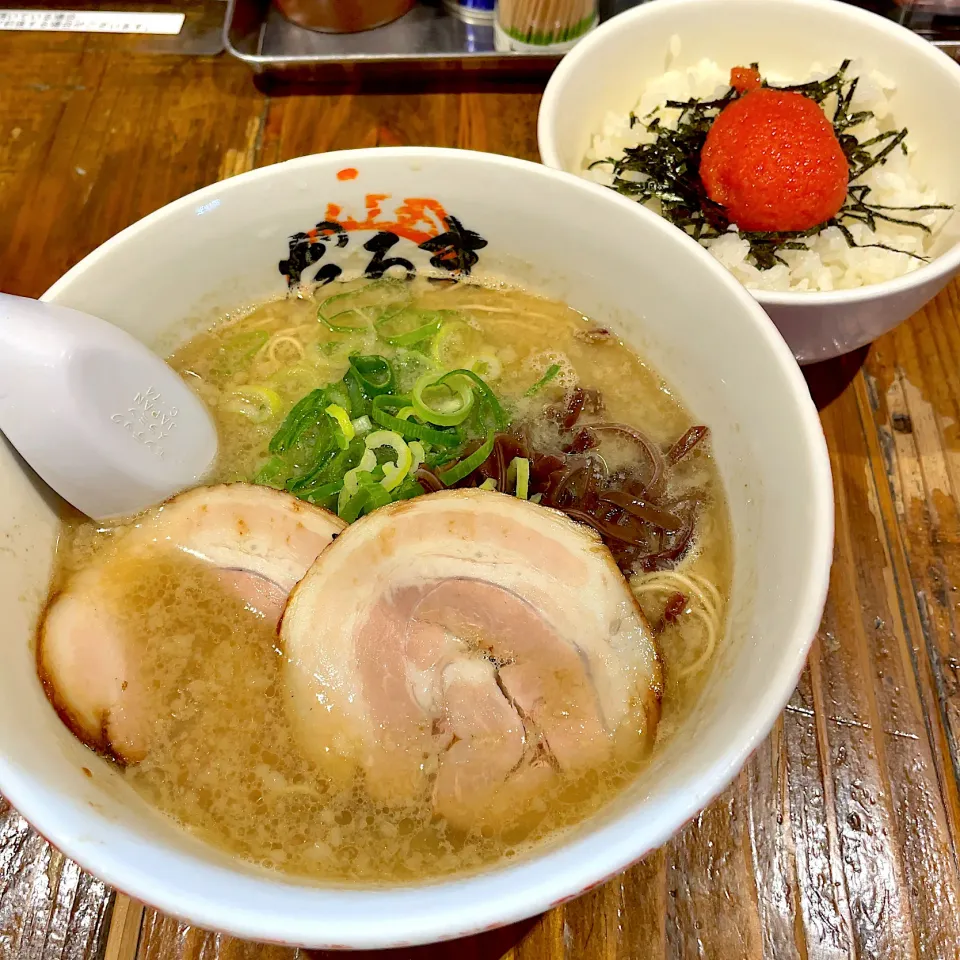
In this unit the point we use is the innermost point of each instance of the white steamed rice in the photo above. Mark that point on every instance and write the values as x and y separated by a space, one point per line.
828 263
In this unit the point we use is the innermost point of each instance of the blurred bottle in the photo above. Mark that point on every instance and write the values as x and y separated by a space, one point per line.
472 11
343 16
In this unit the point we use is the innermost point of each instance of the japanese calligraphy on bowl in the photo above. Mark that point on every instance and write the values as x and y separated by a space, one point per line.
396 235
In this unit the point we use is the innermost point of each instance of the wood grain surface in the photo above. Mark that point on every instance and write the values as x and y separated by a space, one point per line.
839 838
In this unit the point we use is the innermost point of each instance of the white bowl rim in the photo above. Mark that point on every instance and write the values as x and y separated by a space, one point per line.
942 266
393 916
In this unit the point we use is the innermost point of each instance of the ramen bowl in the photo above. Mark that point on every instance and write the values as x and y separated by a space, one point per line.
248 239
608 69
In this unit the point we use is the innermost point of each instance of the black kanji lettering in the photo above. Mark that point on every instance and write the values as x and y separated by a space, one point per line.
379 264
454 250
306 249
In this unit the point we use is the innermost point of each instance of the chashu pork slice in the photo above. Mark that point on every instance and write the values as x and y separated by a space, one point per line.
469 643
260 542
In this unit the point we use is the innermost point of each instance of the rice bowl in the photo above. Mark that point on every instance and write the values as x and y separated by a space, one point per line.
828 300
828 262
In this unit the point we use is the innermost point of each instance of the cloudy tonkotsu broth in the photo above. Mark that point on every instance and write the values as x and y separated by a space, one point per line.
223 757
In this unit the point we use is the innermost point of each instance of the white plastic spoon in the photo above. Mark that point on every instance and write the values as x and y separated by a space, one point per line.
100 417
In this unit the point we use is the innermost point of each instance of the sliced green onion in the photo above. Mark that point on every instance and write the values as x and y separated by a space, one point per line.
304 413
370 496
415 336
348 313
270 473
418 454
408 429
441 417
350 507
519 473
393 474
488 484
438 459
488 399
247 343
413 363
442 349
338 323
256 403
408 490
351 479
536 498
362 425
319 472
339 394
356 397
486 365
377 496
552 371
330 466
406 413
344 497
420 325
466 466
319 495
243 346
392 309
373 373
347 431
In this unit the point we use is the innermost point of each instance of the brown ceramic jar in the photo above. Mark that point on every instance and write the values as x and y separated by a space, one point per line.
343 16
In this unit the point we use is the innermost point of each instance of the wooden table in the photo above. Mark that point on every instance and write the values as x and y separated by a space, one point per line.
839 838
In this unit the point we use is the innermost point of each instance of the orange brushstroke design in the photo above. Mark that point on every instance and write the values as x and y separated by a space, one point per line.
417 218
348 173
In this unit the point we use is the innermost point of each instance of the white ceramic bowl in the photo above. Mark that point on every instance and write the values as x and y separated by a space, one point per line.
218 249
608 69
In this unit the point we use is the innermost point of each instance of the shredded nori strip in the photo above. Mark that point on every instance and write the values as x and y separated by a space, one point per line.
669 170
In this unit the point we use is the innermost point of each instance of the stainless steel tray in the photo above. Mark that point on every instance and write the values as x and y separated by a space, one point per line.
429 39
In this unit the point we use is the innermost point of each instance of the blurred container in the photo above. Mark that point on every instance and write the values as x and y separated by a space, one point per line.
478 36
543 25
472 11
343 16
